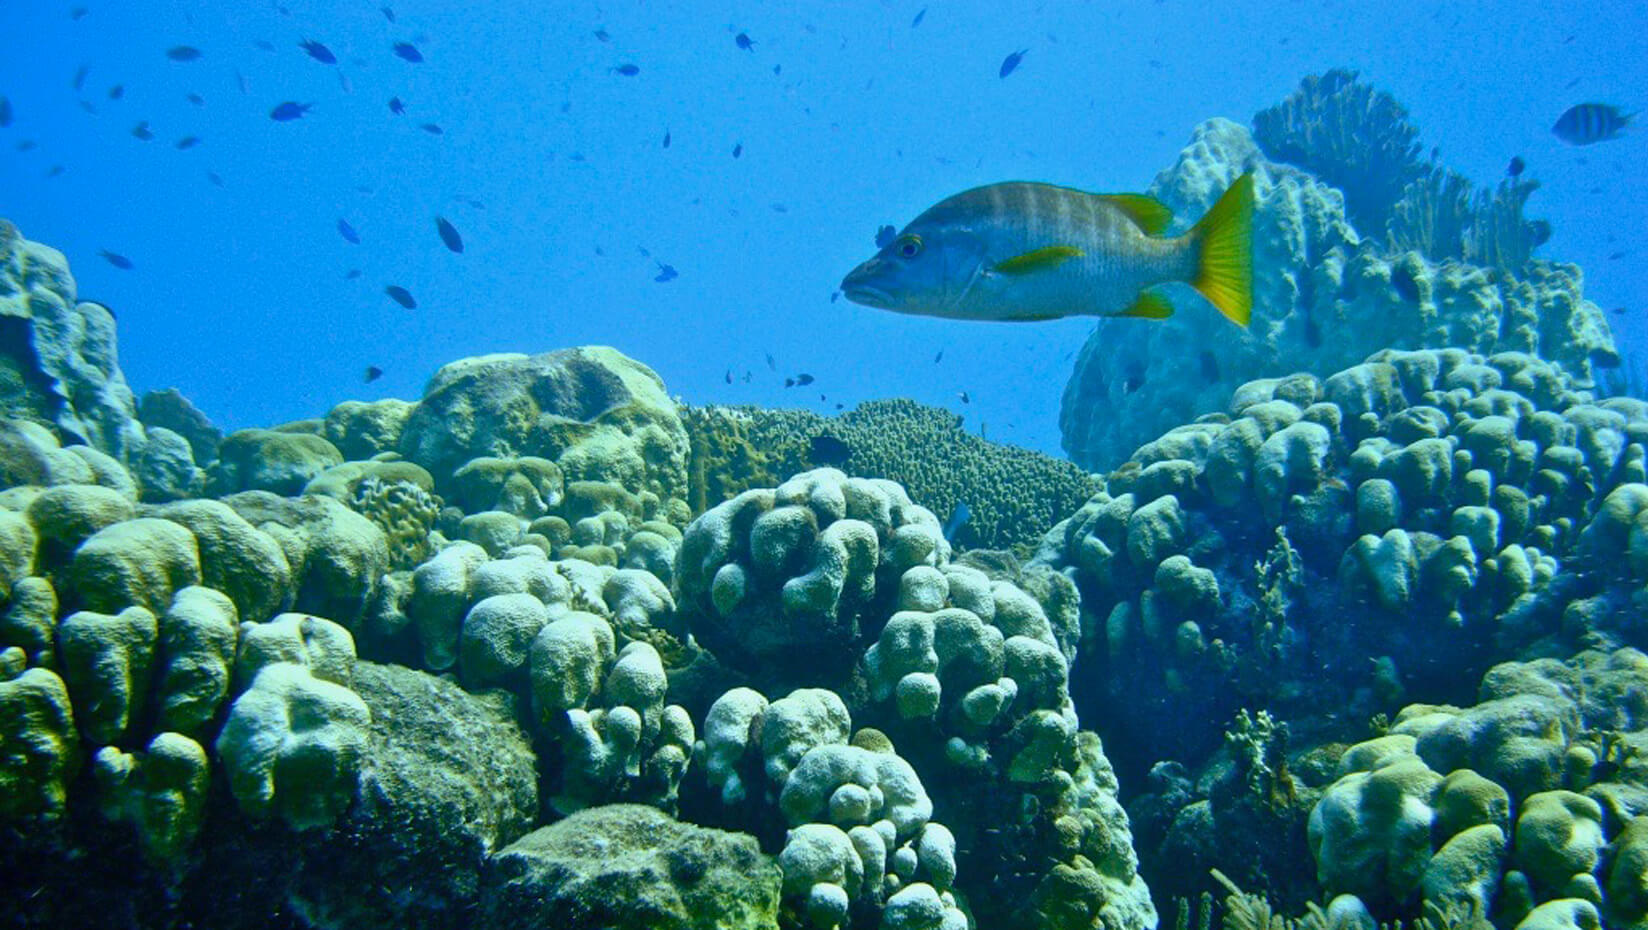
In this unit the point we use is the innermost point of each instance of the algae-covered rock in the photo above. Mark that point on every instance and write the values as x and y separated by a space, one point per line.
140 563
195 659
598 415
293 746
627 865
236 558
160 791
446 783
106 660
270 460
37 727
337 557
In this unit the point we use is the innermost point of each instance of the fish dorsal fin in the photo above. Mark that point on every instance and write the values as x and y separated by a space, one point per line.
1048 256
1149 306
1150 214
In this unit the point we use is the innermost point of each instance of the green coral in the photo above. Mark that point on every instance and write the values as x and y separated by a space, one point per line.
1013 494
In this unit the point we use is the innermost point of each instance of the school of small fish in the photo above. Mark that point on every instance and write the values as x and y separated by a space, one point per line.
998 252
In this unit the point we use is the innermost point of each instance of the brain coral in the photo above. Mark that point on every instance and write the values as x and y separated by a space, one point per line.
1420 508
1327 294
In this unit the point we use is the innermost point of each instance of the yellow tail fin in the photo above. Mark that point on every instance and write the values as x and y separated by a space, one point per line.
1224 273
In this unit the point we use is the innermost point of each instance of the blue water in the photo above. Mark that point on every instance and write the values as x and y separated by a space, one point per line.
239 297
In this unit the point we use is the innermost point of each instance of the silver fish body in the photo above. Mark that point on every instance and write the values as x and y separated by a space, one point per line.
1029 251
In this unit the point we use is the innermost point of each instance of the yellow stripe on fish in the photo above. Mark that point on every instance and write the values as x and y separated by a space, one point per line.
1027 251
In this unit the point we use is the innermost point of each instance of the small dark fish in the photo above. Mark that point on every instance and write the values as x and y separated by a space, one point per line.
729 376
401 296
215 178
789 382
885 236
779 208
919 17
240 79
77 13
53 171
965 397
265 45
744 42
433 129
195 99
406 51
939 357
117 91
318 52
1618 311
388 13
288 111
1588 123
666 138
351 274
187 142
747 376
627 70
80 77
142 131
1615 256
738 150
449 234
5 113
27 145
803 379
1402 279
828 450
959 515
88 107
834 296
1012 61
183 53
770 363
117 260
1210 367
603 35
1571 84
1515 168
396 106
665 273
373 373
840 406
348 232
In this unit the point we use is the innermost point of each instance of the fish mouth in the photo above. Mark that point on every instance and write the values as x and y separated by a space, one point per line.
868 296
856 285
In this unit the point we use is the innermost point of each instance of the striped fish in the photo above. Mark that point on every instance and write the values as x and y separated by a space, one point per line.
1586 123
1027 251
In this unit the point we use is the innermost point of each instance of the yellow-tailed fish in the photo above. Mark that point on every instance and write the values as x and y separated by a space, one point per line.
1027 251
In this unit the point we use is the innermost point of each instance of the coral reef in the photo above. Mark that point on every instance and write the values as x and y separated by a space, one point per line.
59 369
1426 501
1013 494
1455 273
1352 136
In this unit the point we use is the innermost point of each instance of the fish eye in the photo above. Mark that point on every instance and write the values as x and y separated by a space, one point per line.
908 246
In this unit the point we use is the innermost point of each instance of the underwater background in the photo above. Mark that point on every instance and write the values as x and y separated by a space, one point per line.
442 482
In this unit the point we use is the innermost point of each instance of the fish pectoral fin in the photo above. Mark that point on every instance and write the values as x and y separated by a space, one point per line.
1150 214
1046 257
1149 306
